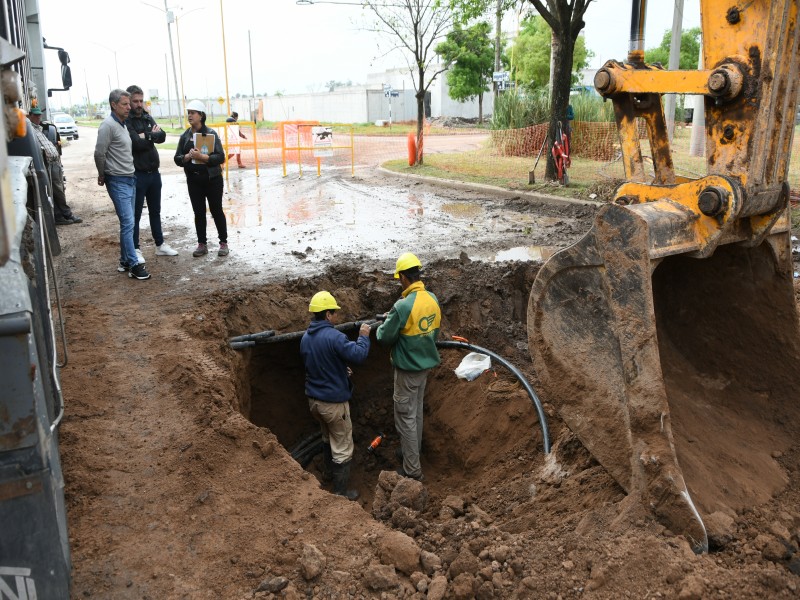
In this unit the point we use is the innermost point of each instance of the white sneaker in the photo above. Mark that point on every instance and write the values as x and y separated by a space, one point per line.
165 250
139 256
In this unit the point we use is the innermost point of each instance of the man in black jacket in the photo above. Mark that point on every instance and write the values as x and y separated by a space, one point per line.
145 134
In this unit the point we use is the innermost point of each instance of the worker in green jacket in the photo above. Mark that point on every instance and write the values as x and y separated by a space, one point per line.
411 328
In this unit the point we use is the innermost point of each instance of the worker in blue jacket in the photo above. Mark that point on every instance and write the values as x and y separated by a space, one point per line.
326 353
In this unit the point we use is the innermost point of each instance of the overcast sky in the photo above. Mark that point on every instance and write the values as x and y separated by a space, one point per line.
295 49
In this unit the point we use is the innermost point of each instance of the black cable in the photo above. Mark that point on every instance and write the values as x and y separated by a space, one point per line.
517 373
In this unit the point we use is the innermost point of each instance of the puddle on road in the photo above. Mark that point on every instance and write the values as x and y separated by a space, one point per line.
526 253
295 224
466 210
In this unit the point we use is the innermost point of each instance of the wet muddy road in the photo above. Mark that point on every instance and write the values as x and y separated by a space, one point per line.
297 226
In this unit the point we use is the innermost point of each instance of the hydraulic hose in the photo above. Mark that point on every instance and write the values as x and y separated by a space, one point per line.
517 373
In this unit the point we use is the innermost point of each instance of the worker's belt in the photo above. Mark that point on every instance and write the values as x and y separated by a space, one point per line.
325 401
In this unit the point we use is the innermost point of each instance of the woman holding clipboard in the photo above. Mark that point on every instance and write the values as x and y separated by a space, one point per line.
200 154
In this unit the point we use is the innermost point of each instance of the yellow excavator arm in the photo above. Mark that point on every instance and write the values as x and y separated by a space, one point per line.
674 319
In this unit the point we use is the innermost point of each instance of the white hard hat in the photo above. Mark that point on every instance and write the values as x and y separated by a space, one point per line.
196 105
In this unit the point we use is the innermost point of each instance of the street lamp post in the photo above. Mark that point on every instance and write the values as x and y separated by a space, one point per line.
224 56
180 59
170 18
116 66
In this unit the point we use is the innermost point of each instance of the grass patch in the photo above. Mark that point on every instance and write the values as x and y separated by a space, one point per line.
511 172
512 176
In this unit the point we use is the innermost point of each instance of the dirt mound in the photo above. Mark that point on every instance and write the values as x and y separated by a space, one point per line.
499 519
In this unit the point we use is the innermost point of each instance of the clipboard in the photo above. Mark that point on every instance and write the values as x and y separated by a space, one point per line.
203 143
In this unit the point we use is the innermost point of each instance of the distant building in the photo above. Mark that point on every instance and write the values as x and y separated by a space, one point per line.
367 103
354 104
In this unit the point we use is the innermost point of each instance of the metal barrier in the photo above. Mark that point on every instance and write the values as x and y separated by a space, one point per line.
224 129
319 142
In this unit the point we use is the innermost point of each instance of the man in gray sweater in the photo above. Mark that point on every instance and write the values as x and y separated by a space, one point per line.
113 156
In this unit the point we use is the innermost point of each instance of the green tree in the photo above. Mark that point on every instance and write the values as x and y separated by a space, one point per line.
531 54
690 50
469 56
467 10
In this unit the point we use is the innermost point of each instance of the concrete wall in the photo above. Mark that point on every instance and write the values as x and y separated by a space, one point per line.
404 106
441 105
347 105
358 104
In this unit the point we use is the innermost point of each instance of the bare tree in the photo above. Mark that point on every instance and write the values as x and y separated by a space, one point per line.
565 18
415 27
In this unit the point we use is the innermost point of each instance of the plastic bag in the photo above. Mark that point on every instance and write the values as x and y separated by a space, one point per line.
472 365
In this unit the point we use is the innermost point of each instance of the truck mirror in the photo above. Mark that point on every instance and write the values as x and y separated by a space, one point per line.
66 73
66 77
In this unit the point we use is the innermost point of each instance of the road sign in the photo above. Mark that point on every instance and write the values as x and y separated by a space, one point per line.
394 94
221 100
501 76
322 140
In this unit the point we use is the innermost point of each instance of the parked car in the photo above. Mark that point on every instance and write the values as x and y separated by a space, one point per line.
66 126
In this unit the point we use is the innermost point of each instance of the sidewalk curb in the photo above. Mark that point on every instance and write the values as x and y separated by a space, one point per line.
482 187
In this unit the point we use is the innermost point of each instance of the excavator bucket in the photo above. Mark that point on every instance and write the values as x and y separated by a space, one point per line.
668 337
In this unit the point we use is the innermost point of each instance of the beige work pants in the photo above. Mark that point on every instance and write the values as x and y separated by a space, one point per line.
336 426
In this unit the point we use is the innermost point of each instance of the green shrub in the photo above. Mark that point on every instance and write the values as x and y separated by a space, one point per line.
591 108
515 110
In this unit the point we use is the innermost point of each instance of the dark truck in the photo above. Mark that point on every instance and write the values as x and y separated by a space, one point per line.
34 548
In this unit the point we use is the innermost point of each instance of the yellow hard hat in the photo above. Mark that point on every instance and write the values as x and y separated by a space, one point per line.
322 301
406 261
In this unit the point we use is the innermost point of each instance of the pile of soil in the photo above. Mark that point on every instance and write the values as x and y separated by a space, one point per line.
179 483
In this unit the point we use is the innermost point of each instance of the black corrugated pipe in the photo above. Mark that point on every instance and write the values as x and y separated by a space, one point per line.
249 340
305 450
253 337
517 373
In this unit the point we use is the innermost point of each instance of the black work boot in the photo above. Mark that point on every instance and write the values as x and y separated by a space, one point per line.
341 476
327 463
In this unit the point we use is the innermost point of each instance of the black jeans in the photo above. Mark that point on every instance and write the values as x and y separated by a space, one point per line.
148 185
201 188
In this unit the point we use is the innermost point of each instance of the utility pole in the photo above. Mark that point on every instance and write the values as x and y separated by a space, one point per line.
497 41
88 102
169 100
170 18
252 84
674 64
224 55
697 143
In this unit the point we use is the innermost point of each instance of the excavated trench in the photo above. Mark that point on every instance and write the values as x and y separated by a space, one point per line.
477 435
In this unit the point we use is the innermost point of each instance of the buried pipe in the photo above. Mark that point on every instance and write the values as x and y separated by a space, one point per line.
307 448
517 373
253 337
240 342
